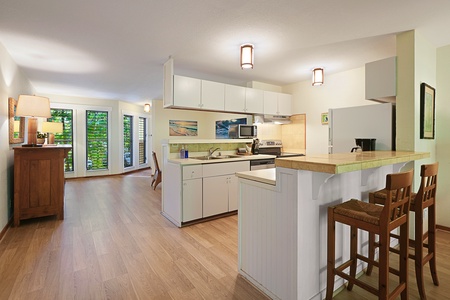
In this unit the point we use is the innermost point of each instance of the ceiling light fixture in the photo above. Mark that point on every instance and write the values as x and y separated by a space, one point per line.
32 107
147 107
317 76
247 56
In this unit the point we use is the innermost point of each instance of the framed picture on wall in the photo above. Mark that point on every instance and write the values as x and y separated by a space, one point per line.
324 118
427 111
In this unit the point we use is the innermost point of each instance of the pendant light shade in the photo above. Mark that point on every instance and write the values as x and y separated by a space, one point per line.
317 76
147 107
247 56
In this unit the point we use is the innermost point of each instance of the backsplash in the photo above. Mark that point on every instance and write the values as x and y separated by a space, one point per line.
204 147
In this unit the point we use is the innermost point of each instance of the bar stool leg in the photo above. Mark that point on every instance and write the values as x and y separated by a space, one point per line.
432 242
383 276
353 252
418 253
404 256
371 254
331 247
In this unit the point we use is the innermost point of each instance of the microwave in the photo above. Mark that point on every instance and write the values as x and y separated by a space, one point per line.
242 131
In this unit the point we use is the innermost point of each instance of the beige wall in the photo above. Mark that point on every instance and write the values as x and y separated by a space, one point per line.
443 134
343 89
12 83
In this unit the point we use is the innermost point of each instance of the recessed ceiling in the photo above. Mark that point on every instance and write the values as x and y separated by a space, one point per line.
116 50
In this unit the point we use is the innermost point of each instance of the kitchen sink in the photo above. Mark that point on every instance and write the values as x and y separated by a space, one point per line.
216 157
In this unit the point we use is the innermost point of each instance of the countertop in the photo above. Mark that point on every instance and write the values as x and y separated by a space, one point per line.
193 161
267 176
347 162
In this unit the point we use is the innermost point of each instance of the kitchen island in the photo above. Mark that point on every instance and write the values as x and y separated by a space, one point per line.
283 217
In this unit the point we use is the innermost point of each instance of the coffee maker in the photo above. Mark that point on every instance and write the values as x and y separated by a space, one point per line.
255 146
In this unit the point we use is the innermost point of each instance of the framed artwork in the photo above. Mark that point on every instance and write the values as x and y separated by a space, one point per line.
222 127
16 124
427 111
183 128
324 118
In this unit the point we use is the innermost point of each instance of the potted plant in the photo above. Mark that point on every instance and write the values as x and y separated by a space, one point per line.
40 137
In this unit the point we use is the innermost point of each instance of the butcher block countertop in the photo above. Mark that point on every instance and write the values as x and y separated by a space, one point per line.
348 162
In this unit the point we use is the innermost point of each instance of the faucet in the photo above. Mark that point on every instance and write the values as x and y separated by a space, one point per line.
210 151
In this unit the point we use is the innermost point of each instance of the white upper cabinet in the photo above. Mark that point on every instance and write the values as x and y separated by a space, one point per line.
186 92
168 83
381 80
284 104
254 101
277 104
234 98
213 95
242 99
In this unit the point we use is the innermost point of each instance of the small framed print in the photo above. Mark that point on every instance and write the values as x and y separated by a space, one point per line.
427 111
324 118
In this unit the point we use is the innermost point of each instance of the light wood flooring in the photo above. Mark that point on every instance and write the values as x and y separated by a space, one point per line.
114 244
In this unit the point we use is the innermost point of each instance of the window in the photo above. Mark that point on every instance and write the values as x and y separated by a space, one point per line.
64 116
96 140
142 140
127 141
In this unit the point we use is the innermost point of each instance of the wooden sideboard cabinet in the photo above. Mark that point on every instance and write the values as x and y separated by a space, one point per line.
39 182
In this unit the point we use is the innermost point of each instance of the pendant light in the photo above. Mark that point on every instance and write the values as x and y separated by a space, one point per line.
247 56
317 76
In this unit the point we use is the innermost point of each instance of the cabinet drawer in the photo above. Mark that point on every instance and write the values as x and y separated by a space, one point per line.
191 172
210 170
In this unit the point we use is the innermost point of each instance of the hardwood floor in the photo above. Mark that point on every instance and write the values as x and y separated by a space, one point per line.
114 244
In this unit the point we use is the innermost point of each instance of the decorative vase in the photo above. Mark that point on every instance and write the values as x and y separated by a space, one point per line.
40 141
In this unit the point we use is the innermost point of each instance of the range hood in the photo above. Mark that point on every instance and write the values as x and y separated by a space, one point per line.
276 119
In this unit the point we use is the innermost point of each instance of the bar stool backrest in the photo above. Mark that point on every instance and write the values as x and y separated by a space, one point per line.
396 208
427 191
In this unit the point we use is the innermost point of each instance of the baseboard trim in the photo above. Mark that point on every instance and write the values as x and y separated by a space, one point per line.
445 228
5 229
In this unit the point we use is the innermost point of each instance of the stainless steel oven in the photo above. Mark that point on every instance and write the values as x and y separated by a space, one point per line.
275 147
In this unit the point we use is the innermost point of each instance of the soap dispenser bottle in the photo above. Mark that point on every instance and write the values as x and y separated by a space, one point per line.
182 152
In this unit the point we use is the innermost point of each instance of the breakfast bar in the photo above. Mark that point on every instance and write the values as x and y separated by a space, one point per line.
283 216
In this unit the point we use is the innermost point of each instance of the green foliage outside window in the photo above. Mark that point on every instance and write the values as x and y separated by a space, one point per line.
96 140
127 141
64 116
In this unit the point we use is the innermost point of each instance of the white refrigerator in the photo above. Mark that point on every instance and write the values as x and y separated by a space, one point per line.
369 121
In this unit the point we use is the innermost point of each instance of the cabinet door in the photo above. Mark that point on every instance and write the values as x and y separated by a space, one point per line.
186 91
254 101
213 95
215 195
233 193
284 104
270 103
192 199
234 98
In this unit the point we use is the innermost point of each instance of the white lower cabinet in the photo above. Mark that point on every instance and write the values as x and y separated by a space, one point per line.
192 199
215 195
193 192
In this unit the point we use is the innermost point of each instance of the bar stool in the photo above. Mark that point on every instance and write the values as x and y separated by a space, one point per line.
379 220
425 198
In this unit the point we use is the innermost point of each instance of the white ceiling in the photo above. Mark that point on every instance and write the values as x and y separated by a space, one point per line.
116 49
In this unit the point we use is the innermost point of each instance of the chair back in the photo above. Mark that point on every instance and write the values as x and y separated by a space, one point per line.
155 161
396 208
427 191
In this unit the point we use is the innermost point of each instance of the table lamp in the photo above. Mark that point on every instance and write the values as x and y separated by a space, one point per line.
51 128
32 107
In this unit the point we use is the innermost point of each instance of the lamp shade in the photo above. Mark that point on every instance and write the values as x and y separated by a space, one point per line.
53 127
317 76
33 106
147 107
247 56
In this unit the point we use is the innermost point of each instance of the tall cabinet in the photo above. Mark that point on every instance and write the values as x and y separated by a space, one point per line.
39 182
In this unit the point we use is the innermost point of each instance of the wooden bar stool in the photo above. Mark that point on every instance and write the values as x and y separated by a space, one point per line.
425 198
157 176
379 220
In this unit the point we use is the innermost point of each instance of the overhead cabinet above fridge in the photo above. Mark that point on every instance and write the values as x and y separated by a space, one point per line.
381 80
